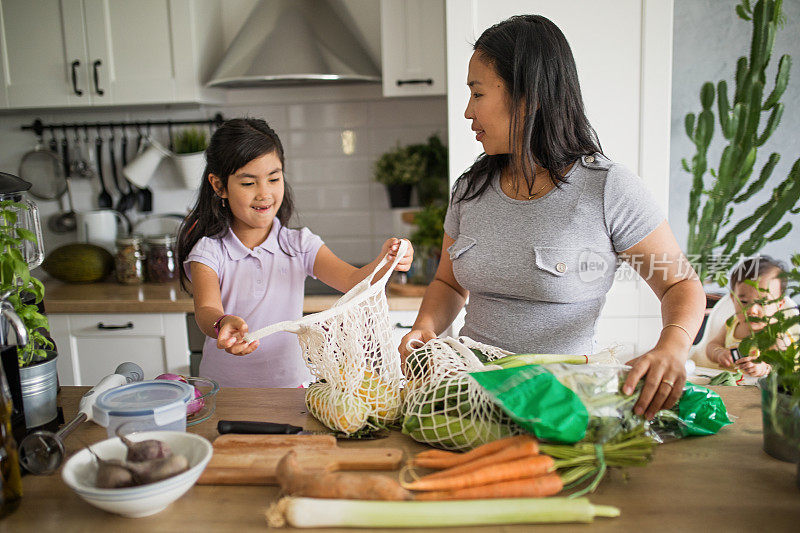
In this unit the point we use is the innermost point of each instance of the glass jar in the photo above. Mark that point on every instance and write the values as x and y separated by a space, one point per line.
162 264
129 260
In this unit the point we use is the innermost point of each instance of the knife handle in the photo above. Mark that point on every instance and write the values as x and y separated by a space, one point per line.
256 428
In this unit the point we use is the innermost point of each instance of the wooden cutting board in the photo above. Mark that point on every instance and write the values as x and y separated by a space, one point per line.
252 459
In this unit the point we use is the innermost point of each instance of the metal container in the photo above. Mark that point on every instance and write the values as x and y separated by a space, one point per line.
39 383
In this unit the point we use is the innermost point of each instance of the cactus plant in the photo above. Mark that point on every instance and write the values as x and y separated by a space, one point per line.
733 182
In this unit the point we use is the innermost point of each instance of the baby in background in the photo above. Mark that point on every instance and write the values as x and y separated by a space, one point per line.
723 346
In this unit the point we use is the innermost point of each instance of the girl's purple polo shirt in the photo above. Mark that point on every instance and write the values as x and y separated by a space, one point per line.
263 286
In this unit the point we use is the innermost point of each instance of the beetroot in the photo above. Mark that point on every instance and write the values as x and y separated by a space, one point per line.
193 406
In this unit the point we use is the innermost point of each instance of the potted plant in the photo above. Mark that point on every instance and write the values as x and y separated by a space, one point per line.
712 202
433 184
399 170
190 158
778 344
36 359
427 239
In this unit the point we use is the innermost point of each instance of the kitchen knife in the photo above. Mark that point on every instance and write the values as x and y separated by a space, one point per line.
272 428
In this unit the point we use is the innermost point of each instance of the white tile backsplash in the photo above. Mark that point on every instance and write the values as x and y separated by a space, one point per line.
336 196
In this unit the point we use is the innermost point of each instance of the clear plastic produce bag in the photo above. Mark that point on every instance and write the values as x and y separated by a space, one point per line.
349 348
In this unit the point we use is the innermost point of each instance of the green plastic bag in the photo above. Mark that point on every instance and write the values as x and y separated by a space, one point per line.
702 411
537 402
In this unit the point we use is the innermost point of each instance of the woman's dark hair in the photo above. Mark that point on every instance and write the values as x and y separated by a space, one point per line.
532 57
753 268
235 143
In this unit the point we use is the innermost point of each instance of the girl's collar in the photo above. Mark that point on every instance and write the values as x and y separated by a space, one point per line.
236 250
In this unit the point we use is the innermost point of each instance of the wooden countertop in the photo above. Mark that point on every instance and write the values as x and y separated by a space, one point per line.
719 483
111 297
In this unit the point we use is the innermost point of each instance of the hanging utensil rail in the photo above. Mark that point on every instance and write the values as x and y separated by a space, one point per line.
38 126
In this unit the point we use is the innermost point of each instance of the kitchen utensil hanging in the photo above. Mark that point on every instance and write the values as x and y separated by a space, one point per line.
128 199
43 168
104 198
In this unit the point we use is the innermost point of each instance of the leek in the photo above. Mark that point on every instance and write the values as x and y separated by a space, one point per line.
314 512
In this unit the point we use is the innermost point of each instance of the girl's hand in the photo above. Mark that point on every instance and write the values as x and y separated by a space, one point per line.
664 370
421 335
722 356
232 330
390 248
751 368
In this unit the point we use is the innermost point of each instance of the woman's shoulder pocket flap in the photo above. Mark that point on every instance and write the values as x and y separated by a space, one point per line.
461 245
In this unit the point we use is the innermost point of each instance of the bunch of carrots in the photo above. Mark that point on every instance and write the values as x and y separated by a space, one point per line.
513 467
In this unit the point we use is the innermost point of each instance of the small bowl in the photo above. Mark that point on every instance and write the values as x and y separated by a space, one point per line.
208 388
80 472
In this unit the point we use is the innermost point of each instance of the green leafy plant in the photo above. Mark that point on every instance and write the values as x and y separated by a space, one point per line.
433 185
711 205
17 282
427 238
774 342
401 166
190 141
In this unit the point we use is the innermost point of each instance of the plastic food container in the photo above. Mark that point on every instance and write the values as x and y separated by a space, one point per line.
144 406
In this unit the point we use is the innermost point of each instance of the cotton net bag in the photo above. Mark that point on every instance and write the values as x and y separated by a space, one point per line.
349 349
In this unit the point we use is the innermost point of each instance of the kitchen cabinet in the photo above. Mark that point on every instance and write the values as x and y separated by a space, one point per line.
413 47
91 346
80 53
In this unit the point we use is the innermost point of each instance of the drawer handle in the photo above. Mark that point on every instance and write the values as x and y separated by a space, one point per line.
75 65
428 81
129 325
401 326
96 67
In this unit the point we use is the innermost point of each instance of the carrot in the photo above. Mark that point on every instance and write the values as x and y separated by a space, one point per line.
531 487
519 450
439 459
535 465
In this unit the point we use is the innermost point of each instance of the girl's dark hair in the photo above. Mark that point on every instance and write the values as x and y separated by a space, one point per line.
532 57
753 268
235 143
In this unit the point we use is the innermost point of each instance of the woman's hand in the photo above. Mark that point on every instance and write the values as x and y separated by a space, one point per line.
421 335
232 330
390 248
664 370
748 366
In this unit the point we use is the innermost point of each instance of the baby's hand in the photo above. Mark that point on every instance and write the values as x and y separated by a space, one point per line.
722 356
232 330
390 248
751 368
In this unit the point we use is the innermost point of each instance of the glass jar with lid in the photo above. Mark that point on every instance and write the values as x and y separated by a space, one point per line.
162 262
130 260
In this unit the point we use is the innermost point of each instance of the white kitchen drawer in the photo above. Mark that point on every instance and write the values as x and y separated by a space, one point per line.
116 324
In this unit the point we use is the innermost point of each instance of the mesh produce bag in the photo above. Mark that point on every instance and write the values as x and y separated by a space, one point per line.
447 407
349 348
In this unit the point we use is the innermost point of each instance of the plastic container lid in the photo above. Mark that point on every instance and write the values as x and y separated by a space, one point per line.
157 398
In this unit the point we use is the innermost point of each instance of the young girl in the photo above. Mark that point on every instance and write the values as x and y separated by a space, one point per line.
765 272
247 267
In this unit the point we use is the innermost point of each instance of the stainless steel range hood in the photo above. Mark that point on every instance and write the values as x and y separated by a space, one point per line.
293 42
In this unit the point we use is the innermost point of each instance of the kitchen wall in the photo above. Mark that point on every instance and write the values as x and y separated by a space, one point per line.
708 39
330 146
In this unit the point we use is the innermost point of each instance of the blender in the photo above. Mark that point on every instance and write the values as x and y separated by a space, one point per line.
12 189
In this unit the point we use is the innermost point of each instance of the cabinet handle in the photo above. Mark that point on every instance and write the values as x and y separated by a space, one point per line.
129 325
427 81
401 326
75 65
96 66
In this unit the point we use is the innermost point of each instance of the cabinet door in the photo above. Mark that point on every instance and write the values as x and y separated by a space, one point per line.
131 48
413 47
41 41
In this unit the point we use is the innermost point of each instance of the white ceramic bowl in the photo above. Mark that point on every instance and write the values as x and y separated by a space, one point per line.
81 469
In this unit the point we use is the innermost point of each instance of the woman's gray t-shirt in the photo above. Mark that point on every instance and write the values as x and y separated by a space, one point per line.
538 271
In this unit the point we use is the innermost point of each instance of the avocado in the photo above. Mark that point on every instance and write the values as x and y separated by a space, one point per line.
79 263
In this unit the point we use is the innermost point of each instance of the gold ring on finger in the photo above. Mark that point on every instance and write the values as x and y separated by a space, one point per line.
668 382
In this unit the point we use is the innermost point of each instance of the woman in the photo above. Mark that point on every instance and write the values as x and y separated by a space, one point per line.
536 226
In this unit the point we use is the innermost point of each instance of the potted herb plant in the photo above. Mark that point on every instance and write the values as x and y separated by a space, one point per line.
778 344
399 170
427 239
36 359
190 158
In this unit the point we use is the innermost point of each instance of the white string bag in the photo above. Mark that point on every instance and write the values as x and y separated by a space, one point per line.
350 347
446 408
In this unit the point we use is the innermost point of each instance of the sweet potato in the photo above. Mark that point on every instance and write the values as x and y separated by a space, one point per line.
336 485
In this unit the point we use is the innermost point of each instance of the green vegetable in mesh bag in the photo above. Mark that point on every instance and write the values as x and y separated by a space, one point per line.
726 378
537 402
